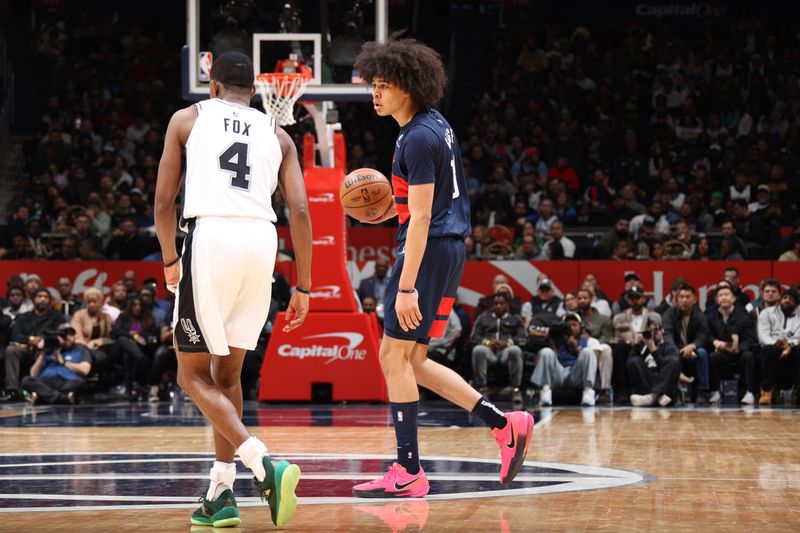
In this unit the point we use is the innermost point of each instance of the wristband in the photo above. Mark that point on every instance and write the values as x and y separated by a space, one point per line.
167 265
303 291
407 291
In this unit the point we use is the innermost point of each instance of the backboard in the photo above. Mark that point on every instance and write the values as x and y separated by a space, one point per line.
325 34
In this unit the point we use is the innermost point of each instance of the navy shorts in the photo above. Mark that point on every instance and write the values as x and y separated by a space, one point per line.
437 285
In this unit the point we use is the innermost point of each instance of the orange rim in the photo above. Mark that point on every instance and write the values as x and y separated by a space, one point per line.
282 81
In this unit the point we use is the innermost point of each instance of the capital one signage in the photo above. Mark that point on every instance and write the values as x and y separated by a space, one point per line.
328 347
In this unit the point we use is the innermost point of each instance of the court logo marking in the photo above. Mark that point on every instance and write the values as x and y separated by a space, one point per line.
123 480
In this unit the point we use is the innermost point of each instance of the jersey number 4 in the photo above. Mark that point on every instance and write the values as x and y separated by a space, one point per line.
234 160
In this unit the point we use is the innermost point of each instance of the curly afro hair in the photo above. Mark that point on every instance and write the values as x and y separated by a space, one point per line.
407 63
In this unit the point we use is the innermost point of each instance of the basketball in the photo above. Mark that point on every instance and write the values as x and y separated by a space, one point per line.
366 194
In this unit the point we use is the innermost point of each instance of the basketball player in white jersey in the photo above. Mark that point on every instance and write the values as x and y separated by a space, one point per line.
236 157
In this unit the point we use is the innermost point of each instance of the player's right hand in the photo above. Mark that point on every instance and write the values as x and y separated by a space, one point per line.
296 312
172 275
389 214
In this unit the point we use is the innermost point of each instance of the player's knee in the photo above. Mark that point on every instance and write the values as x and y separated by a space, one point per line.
227 380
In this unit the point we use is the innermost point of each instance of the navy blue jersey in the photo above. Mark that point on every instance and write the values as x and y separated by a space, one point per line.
427 151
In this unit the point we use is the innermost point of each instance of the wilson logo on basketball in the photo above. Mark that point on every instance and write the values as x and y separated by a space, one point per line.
334 352
327 292
358 178
325 240
326 197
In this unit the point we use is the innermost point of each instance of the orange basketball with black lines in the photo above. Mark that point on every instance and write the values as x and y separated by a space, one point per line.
366 194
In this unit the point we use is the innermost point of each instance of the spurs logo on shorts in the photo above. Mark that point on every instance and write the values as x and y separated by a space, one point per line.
188 328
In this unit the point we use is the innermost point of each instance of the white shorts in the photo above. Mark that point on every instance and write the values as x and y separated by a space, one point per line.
226 284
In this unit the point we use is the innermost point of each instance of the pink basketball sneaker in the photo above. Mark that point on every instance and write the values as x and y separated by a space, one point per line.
513 440
396 483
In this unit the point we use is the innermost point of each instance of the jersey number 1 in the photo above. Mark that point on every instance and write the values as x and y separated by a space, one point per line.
456 192
240 169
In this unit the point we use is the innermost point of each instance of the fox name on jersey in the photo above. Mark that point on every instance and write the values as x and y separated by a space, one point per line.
232 160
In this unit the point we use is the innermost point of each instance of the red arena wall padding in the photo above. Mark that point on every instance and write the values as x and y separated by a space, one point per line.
340 348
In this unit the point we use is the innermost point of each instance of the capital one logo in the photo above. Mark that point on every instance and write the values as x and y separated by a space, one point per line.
320 348
327 292
325 240
326 197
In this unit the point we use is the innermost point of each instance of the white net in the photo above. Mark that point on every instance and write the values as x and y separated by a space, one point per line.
279 92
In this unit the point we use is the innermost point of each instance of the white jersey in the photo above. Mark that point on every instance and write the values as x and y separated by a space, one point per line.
232 161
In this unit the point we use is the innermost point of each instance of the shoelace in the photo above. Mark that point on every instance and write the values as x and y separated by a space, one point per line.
393 472
500 436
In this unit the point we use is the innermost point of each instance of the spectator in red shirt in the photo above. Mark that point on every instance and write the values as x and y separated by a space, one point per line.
562 171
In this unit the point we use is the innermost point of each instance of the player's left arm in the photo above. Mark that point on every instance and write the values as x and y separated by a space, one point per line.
293 188
420 202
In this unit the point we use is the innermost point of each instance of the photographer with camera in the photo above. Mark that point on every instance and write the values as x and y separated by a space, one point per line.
27 332
570 361
60 369
653 368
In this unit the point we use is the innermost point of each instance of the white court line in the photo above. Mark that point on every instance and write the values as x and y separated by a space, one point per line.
444 476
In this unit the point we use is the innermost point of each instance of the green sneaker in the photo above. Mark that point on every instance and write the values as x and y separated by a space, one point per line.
221 512
278 489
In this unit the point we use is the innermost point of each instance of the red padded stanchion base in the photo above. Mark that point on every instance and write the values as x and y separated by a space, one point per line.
336 348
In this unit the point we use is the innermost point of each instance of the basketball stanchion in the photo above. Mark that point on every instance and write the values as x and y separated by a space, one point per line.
336 349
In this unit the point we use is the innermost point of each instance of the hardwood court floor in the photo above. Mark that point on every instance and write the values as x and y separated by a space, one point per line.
692 469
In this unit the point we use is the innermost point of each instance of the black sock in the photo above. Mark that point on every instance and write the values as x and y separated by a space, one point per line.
486 411
404 416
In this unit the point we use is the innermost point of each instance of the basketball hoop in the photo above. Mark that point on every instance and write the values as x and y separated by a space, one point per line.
279 92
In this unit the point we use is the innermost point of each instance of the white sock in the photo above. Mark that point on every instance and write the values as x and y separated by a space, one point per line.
222 476
250 452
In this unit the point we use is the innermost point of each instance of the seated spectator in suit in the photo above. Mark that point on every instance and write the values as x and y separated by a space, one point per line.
27 332
375 285
686 327
779 335
569 363
653 368
499 284
59 371
498 335
732 336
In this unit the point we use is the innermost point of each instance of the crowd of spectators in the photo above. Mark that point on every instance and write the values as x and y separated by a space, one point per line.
627 349
115 347
658 143
684 143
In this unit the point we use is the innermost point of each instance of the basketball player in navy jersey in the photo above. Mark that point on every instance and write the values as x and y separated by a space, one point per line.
236 157
432 207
